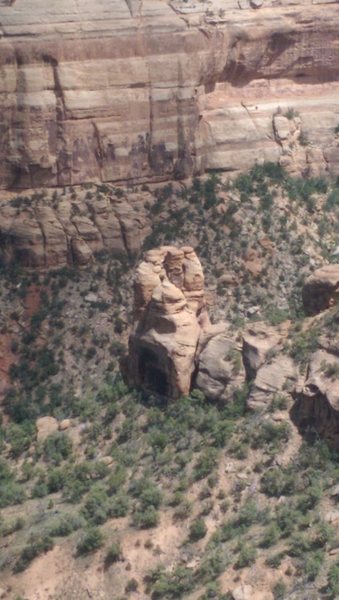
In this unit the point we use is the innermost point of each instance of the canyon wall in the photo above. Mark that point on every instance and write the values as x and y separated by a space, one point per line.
147 90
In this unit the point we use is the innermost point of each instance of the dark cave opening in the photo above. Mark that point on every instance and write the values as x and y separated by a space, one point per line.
152 375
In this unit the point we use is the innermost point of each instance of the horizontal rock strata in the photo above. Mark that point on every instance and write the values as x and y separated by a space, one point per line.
131 91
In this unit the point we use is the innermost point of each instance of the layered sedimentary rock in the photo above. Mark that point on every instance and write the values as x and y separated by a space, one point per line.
53 230
135 91
170 317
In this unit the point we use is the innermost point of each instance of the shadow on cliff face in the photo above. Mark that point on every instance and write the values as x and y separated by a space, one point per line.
314 417
151 375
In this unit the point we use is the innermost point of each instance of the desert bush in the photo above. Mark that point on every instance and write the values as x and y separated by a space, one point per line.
279 590
333 580
197 530
131 585
277 482
37 544
57 447
171 585
205 464
246 557
91 540
114 553
145 518
11 493
119 506
116 480
65 525
96 506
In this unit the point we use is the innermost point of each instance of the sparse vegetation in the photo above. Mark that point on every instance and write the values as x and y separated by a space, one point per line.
230 484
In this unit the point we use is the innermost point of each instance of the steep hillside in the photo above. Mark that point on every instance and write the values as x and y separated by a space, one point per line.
106 491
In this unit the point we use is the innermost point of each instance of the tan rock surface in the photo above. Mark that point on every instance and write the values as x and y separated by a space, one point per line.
258 340
169 304
220 368
45 427
41 231
171 88
272 378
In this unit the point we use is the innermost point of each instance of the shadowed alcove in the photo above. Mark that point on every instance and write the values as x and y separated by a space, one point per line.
152 374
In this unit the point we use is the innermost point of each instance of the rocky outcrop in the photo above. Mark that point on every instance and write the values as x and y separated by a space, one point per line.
321 289
317 401
220 370
258 341
54 230
170 316
171 89
275 376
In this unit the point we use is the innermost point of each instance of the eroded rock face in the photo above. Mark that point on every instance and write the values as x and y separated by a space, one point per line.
170 316
135 91
273 377
321 289
317 401
42 232
221 369
258 340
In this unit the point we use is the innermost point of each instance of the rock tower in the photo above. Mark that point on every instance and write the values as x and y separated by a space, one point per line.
170 316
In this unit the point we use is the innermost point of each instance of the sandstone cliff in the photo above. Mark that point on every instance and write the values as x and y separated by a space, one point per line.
135 91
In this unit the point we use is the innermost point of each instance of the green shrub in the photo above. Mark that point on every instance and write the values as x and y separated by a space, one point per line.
20 437
114 553
90 541
333 580
131 586
145 518
246 557
116 480
197 530
11 493
212 565
271 434
277 482
205 464
271 536
38 544
119 506
279 590
171 585
312 564
57 447
96 506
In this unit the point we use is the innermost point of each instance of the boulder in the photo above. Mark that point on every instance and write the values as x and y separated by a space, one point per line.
220 368
272 378
45 427
65 424
258 341
243 592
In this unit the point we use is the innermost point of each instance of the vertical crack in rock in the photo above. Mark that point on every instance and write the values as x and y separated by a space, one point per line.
61 114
